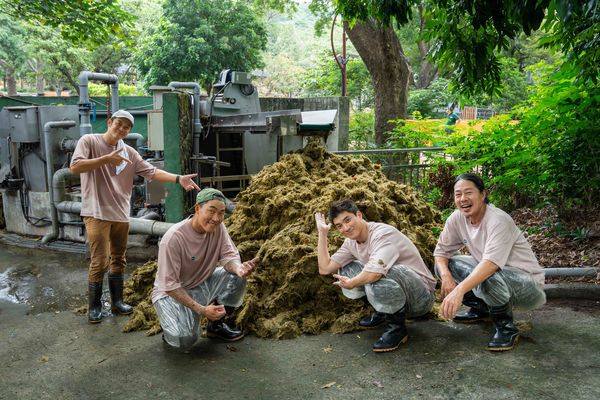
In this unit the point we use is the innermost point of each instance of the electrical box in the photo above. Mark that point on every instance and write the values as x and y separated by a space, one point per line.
23 124
156 136
157 95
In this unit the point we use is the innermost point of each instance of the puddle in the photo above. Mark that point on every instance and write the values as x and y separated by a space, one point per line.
35 281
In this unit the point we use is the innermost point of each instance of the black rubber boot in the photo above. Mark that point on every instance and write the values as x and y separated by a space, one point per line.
478 311
507 333
115 284
395 333
219 329
94 303
372 321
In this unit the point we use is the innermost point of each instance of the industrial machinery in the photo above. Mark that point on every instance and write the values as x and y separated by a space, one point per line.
230 139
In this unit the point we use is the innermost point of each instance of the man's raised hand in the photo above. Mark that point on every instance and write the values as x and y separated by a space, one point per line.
247 267
187 182
322 226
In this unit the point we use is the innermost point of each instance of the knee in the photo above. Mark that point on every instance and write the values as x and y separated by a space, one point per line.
181 343
236 283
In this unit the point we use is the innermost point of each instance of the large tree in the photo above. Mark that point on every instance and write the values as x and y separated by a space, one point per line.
196 39
12 55
466 36
89 22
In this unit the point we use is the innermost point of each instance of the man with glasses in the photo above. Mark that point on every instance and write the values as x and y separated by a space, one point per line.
108 167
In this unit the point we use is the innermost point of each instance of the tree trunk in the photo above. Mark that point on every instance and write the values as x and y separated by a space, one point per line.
428 71
36 65
64 72
11 81
382 53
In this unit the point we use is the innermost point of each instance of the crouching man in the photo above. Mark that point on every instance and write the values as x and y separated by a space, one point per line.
378 261
501 272
188 282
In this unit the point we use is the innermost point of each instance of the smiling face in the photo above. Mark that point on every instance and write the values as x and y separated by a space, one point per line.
469 200
118 128
208 216
352 226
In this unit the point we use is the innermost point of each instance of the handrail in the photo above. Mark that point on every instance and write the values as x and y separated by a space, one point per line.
389 151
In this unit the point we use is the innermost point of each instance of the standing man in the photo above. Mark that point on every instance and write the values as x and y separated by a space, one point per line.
501 272
378 261
108 166
189 284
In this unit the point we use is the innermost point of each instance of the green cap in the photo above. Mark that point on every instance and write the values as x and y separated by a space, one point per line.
208 194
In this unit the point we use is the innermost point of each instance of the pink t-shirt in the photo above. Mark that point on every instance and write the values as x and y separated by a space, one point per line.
385 247
106 195
496 239
187 258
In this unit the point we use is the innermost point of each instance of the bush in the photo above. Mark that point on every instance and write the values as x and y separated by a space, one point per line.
98 89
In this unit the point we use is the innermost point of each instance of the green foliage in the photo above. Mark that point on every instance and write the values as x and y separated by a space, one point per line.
361 131
325 80
574 28
511 91
12 41
87 22
551 154
429 101
61 61
386 12
97 89
196 39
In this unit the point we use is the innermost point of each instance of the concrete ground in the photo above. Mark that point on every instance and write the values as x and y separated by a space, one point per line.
52 353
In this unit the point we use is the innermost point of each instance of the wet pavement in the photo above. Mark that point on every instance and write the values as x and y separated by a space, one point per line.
50 352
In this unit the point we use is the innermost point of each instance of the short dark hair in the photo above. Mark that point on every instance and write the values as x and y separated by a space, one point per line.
477 181
340 206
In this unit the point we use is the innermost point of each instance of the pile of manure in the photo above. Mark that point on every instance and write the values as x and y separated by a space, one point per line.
274 220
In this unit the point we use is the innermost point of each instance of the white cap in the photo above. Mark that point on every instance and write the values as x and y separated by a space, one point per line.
123 114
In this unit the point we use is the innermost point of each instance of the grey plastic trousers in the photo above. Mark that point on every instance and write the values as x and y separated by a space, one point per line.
400 289
504 287
181 326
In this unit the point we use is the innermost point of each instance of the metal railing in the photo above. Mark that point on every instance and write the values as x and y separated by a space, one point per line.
407 166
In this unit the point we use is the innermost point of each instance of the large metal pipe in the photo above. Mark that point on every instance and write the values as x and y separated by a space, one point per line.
85 106
573 272
142 226
139 139
148 226
49 150
197 123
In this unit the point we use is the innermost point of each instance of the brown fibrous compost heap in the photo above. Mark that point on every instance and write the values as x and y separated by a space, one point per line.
274 220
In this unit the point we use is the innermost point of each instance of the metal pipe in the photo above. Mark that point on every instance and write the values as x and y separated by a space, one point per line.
581 271
148 226
142 226
85 126
69 207
67 144
197 123
50 173
114 90
139 139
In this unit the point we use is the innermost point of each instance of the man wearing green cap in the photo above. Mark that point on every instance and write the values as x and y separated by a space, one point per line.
108 167
189 284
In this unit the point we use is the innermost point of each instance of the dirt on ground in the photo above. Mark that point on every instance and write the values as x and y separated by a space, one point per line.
569 240
274 220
